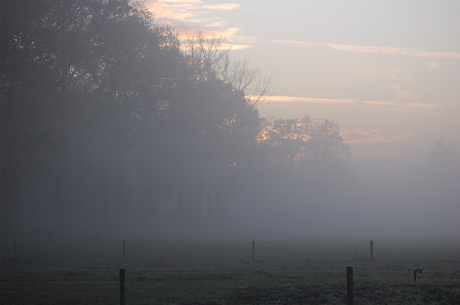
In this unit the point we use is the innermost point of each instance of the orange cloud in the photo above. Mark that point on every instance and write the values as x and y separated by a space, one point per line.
180 1
224 6
225 38
188 16
224 46
216 24
188 33
284 99
171 12
193 11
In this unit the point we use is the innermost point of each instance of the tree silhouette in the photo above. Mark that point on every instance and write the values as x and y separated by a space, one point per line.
120 125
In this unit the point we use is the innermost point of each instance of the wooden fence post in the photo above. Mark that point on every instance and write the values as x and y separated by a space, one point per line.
350 285
122 287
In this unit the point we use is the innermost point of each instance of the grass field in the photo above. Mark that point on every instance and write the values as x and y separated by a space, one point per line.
87 272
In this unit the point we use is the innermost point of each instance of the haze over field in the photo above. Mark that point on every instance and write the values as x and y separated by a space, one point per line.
113 125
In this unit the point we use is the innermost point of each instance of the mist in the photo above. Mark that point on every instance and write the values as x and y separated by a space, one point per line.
382 200
111 127
387 200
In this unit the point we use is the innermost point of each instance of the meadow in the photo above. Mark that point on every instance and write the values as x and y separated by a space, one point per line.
47 271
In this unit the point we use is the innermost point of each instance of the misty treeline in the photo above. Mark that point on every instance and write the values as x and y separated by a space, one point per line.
109 121
110 125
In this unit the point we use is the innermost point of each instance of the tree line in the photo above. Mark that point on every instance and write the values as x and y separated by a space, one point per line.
107 120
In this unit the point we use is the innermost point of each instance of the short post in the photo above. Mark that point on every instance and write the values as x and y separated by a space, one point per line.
122 287
14 250
253 242
124 249
415 275
372 250
350 285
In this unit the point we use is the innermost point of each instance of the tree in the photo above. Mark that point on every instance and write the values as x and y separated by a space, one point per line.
310 159
209 57
79 76
434 191
208 125
442 157
311 146
31 89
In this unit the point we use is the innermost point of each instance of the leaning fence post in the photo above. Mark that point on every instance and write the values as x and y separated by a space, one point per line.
122 287
350 285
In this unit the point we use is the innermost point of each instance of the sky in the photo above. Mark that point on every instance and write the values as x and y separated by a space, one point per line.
387 71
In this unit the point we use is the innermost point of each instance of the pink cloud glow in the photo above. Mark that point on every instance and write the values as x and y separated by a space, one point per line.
374 49
284 99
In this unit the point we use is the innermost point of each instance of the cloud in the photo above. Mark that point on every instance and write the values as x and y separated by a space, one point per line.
433 64
188 16
397 74
188 11
224 6
403 105
377 105
423 105
179 1
223 46
383 103
178 12
374 136
401 94
187 33
286 99
225 38
374 49
216 24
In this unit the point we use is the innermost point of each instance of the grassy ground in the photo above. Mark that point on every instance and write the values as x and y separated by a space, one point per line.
87 272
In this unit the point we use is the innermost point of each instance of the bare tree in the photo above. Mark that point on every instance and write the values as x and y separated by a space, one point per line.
210 56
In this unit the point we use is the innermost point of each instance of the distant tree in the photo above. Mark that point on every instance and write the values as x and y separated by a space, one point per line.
309 159
306 144
442 158
440 169
434 190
